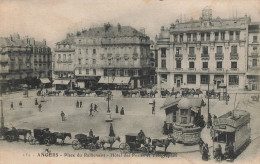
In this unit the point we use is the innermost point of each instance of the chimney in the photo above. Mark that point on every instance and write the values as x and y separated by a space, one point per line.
44 41
162 28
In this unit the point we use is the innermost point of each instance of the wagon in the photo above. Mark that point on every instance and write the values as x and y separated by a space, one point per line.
125 93
83 141
42 136
99 93
10 134
132 144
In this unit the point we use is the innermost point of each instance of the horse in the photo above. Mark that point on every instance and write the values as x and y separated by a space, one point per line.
62 136
197 92
108 140
153 93
134 92
24 132
162 143
175 93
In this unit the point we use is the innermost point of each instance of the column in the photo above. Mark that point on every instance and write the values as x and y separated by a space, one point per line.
170 80
191 37
219 35
211 82
212 36
198 36
159 83
226 35
198 80
159 58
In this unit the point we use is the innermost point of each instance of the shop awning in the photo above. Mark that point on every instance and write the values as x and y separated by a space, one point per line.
105 80
121 80
61 82
45 80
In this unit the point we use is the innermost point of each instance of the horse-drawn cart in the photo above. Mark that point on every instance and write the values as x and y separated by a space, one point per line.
42 136
10 134
83 141
133 144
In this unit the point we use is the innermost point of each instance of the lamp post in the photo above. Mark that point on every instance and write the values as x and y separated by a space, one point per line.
208 123
226 88
108 97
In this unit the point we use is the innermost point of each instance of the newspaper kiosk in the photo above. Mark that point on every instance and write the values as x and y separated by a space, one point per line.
232 130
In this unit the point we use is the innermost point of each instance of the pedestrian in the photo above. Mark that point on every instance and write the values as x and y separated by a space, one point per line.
40 107
153 110
165 128
36 101
12 106
122 111
91 134
62 114
20 104
111 131
80 104
95 108
77 104
90 111
170 131
116 108
205 153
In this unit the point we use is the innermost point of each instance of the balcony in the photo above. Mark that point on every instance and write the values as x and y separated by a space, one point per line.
219 56
178 69
178 56
204 56
220 69
254 54
161 69
191 57
204 69
233 56
191 69
234 69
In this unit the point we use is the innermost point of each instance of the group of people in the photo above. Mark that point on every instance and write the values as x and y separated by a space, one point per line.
122 111
91 110
39 105
79 104
12 105
204 150
167 130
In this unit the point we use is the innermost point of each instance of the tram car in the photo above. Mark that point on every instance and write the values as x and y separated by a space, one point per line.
231 134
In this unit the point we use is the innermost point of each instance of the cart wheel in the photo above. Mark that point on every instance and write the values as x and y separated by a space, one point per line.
124 148
46 142
8 138
92 147
144 150
31 140
76 145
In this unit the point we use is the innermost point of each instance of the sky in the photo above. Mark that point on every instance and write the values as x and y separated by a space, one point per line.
53 19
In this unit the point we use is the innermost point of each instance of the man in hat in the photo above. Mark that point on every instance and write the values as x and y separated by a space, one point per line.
116 108
141 137
91 110
91 134
122 111
20 104
77 104
111 131
95 108
12 106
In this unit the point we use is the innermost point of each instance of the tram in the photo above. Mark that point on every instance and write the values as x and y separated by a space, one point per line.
232 133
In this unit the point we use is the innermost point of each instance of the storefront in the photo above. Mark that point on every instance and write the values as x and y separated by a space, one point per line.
61 84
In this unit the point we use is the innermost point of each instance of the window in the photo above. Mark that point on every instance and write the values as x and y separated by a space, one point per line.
178 50
191 64
204 79
86 51
202 37
233 64
222 35
135 72
255 49
59 56
194 37
184 112
205 65
205 50
79 50
189 37
184 120
93 61
80 71
191 50
79 61
216 36
191 79
163 63
181 37
86 61
109 61
163 52
118 72
233 49
94 51
208 36
254 62
87 71
178 63
94 72
231 35
219 50
219 64
125 72
64 57
175 38
233 80
69 56
237 35
254 38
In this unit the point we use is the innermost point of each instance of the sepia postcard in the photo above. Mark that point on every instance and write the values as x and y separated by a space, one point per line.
129 81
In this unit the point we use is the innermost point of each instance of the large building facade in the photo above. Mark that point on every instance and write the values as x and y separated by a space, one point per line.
197 52
253 66
23 61
118 55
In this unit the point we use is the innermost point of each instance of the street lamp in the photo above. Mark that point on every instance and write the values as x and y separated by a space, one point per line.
226 88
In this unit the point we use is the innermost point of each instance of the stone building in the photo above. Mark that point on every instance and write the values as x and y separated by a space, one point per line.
23 61
253 66
117 55
209 50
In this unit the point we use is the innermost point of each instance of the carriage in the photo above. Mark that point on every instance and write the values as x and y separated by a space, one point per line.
212 94
83 141
100 93
10 134
125 93
42 136
164 93
69 92
143 93
133 144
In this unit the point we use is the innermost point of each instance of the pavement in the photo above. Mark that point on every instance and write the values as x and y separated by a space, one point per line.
138 115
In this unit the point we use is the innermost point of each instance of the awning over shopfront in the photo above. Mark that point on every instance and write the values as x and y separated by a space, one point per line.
45 80
105 80
121 80
61 82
